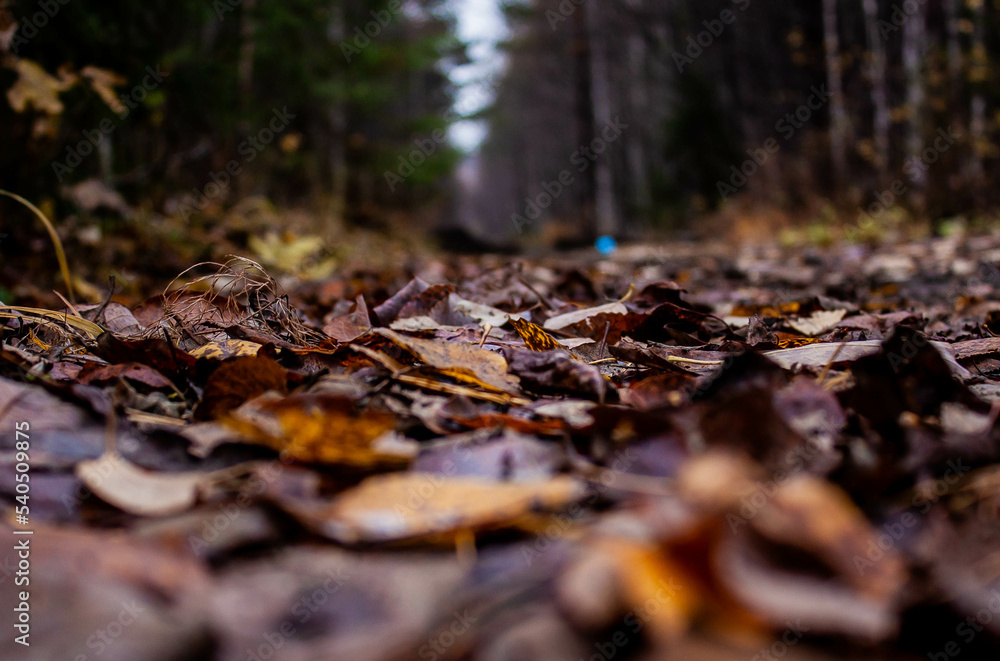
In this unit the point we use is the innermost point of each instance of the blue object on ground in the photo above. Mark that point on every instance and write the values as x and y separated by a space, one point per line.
606 245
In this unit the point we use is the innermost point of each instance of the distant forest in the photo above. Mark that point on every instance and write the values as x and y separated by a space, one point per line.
346 86
611 116
876 106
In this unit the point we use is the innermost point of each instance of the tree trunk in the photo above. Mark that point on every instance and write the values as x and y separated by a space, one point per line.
584 112
607 221
913 57
636 143
979 78
337 120
876 70
840 129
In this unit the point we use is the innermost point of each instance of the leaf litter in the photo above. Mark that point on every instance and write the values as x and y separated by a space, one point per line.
662 454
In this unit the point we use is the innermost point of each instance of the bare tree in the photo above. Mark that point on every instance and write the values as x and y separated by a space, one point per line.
979 78
876 72
607 218
914 47
840 127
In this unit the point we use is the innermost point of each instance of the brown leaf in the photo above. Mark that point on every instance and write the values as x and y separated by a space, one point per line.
324 430
239 380
407 506
462 361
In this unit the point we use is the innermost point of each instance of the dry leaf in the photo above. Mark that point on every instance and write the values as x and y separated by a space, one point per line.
137 491
103 82
35 88
405 506
464 362
325 430
226 349
484 314
575 317
534 337
819 322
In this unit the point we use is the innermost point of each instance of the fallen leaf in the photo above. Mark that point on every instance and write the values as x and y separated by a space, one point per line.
324 430
462 361
407 506
35 88
239 380
534 337
140 492
226 349
819 322
103 82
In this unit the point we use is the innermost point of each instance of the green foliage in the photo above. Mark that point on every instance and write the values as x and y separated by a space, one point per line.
367 95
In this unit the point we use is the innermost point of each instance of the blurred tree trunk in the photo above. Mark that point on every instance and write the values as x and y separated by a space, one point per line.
337 123
607 219
914 47
584 113
978 79
244 78
636 143
876 70
840 128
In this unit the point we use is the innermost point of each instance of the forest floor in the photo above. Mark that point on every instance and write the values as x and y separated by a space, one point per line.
677 451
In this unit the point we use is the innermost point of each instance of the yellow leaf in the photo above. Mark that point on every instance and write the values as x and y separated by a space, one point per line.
103 83
534 337
226 348
35 88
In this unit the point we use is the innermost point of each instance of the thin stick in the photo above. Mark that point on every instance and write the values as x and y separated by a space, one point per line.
833 359
604 342
692 361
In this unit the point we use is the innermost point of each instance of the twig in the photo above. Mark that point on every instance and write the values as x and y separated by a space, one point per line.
107 300
692 361
604 342
833 359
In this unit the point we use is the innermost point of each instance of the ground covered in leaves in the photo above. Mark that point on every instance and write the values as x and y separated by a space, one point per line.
676 452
